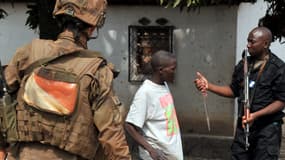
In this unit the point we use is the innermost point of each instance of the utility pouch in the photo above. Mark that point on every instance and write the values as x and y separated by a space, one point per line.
52 90
8 119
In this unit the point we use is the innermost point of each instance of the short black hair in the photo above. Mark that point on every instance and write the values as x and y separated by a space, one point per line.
73 24
68 22
161 59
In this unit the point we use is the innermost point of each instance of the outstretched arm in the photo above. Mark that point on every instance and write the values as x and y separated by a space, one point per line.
203 85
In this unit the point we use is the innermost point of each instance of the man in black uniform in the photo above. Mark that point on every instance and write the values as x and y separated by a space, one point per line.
266 95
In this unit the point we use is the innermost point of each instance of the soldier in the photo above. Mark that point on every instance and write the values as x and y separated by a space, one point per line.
66 106
266 99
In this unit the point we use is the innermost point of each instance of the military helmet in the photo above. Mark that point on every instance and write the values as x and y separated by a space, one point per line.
89 11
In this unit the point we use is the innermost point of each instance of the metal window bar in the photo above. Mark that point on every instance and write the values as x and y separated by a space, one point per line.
143 42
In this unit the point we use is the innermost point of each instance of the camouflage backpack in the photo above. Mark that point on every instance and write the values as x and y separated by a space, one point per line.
40 76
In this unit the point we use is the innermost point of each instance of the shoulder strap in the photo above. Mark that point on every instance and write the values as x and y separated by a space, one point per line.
39 62
257 80
89 53
83 53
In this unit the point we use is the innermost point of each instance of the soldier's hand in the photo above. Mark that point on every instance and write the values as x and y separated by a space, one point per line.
201 83
248 120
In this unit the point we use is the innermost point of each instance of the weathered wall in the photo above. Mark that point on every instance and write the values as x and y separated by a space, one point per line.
248 16
13 32
208 40
204 40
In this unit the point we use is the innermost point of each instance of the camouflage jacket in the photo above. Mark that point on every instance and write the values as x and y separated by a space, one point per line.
97 118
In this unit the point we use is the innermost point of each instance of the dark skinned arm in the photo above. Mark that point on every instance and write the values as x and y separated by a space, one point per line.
203 85
136 135
272 108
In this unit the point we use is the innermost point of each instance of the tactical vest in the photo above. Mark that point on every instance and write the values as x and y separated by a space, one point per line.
75 133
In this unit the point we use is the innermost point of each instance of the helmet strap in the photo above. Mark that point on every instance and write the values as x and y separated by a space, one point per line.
95 35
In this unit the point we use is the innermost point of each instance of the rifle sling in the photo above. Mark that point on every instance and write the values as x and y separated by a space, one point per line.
84 53
261 69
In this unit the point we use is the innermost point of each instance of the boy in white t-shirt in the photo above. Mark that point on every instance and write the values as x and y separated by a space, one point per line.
152 120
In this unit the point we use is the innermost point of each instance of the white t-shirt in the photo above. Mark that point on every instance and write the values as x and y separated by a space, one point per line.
153 110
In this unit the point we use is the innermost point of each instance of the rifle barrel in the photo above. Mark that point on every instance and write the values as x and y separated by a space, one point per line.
246 98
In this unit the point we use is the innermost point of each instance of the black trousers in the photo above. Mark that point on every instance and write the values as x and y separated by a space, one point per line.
264 143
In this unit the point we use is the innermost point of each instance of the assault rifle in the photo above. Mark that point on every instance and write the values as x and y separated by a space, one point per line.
8 112
5 98
3 83
246 104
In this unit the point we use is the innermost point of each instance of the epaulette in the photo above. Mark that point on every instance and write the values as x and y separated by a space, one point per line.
276 61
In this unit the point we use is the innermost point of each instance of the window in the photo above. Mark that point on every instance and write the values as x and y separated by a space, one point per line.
143 42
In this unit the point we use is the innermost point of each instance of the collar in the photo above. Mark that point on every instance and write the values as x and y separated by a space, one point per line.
259 62
68 37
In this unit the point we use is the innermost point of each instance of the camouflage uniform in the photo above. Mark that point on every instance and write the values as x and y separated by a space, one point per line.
95 130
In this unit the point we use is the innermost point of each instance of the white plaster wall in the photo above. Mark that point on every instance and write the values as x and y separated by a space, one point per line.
209 40
248 16
13 32
202 40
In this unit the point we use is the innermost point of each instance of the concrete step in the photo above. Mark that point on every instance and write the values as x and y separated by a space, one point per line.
206 147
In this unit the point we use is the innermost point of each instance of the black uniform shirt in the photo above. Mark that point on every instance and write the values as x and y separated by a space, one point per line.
269 87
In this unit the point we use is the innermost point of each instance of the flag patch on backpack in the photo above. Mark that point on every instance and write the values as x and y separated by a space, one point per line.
52 90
